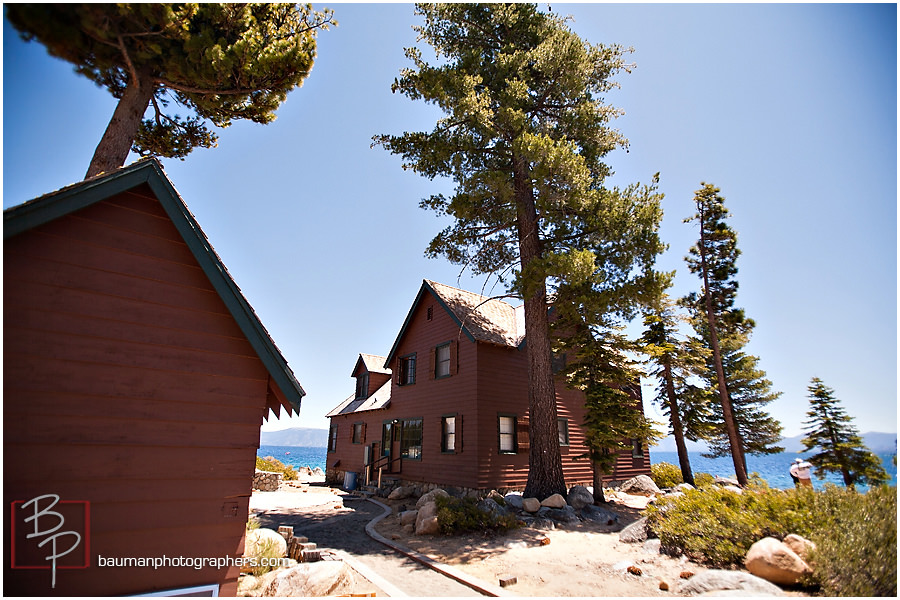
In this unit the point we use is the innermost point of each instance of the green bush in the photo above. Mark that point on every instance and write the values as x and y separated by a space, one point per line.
703 480
665 475
856 542
462 515
717 526
270 463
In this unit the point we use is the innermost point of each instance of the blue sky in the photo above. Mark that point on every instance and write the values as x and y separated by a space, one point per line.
790 109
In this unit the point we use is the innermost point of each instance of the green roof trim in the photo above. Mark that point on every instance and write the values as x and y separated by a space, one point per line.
49 207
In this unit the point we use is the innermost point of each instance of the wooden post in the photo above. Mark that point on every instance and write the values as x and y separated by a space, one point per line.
379 477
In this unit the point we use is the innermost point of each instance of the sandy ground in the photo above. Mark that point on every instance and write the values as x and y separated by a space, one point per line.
584 560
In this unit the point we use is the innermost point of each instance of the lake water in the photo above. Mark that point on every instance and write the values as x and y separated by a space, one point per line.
773 468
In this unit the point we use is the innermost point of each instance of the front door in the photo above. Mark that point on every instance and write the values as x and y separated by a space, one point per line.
390 445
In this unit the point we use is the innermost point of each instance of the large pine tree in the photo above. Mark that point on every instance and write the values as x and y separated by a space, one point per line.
713 258
524 137
831 432
219 62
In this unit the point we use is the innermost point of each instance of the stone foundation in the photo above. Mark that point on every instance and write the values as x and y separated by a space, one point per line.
266 481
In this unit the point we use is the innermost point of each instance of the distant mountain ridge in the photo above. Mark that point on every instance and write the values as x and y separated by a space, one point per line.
295 436
877 442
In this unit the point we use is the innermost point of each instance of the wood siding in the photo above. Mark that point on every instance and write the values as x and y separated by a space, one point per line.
128 384
486 381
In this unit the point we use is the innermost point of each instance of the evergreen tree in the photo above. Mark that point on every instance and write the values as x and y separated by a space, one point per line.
714 258
524 138
675 361
219 61
840 448
614 417
749 390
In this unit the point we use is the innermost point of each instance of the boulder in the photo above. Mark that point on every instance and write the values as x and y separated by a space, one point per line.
733 488
636 533
726 481
800 545
318 472
579 497
430 496
408 517
716 580
426 519
598 514
310 579
641 485
531 505
774 561
265 542
559 515
652 546
554 501
684 487
401 492
490 506
514 500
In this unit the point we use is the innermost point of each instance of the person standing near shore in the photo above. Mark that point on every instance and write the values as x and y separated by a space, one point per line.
800 473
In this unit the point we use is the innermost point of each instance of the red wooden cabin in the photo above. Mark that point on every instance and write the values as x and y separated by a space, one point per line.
448 405
135 380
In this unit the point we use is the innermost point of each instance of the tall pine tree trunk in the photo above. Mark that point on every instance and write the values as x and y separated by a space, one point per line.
677 428
737 451
597 472
114 146
545 474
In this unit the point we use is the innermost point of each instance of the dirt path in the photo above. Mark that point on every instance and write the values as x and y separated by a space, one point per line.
343 529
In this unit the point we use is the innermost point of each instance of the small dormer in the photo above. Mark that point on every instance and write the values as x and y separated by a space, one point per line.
370 375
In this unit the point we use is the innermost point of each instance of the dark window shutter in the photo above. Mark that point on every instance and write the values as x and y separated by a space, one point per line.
522 440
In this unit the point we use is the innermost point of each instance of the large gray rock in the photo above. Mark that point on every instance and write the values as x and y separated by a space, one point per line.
774 561
715 580
408 517
598 514
531 505
264 542
426 520
430 497
579 497
559 515
309 579
554 501
636 533
640 485
490 506
514 500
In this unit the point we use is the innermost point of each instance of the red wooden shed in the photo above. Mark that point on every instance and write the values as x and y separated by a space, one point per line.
135 380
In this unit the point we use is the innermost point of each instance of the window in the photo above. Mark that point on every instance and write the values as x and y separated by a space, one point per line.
332 437
362 385
507 433
411 439
637 449
448 434
407 374
359 433
563 425
442 360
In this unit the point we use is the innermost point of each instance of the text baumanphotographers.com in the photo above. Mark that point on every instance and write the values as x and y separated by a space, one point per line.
192 562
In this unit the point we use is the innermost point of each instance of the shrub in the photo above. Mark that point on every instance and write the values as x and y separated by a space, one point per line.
703 480
665 475
718 526
270 463
856 539
462 515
